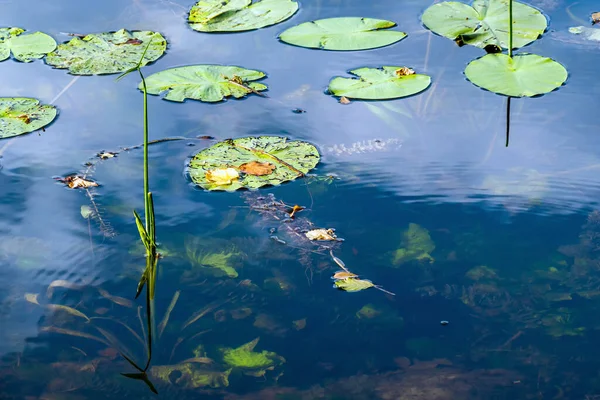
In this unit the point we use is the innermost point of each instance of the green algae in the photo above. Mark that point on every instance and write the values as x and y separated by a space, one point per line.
192 376
416 245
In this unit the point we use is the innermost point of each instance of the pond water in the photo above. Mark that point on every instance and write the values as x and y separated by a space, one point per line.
499 300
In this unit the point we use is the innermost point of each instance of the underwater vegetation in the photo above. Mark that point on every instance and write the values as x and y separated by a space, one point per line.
416 245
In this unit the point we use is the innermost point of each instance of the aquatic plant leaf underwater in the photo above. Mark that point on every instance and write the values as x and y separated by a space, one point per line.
485 23
388 82
24 46
416 244
244 357
209 83
19 115
523 75
346 33
108 53
239 15
291 159
191 376
33 298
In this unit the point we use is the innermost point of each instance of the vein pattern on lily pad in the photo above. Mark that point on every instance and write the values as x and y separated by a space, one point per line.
239 15
388 82
349 33
24 46
107 53
523 75
222 166
19 115
209 83
485 23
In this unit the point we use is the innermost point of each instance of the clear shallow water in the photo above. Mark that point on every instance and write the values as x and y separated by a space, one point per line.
526 330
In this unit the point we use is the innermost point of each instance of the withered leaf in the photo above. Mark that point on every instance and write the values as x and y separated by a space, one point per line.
295 209
77 182
257 168
343 275
106 155
404 71
595 17
321 234
344 100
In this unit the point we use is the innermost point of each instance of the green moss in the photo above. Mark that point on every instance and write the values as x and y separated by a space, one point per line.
416 245
245 357
192 376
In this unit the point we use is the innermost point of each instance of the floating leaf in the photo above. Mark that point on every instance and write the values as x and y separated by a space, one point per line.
107 53
344 100
523 75
210 83
24 47
353 285
379 84
343 275
291 159
239 15
77 182
595 17
321 234
485 23
222 176
349 33
19 115
257 168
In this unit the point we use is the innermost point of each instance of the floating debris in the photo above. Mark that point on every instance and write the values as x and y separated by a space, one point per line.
344 100
77 182
365 146
349 282
104 155
322 234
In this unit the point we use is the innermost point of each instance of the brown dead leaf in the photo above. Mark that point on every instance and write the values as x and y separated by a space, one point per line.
595 17
134 41
77 182
343 275
321 234
404 71
257 168
344 100
25 118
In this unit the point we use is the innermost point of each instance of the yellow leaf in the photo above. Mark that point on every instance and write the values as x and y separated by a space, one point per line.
222 176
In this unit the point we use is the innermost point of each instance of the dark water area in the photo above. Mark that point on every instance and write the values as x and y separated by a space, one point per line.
491 251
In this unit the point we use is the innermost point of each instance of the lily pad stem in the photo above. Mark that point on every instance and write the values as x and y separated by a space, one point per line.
510 28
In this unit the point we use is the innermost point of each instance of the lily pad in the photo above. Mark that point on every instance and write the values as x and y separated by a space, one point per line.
107 53
239 15
387 82
290 159
19 115
523 75
350 33
485 23
209 83
24 46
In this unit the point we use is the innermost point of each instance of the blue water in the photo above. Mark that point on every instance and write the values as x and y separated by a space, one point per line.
515 270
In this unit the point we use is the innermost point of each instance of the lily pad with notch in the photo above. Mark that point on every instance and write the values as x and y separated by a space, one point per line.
107 53
388 82
523 75
344 34
239 15
274 160
24 46
485 23
208 83
19 115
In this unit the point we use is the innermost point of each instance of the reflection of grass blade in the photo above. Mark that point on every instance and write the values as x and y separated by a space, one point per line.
165 320
134 333
388 119
114 342
70 332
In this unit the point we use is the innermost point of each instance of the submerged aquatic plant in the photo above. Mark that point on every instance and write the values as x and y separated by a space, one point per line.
221 262
416 245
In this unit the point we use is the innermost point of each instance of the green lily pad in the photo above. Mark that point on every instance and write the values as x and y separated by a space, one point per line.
388 82
523 75
24 47
107 53
343 34
19 115
210 83
485 23
239 15
252 162
353 284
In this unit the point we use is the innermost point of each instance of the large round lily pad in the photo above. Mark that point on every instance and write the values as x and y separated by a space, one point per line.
239 15
389 82
210 83
349 33
523 75
19 115
252 162
107 53
24 46
485 23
